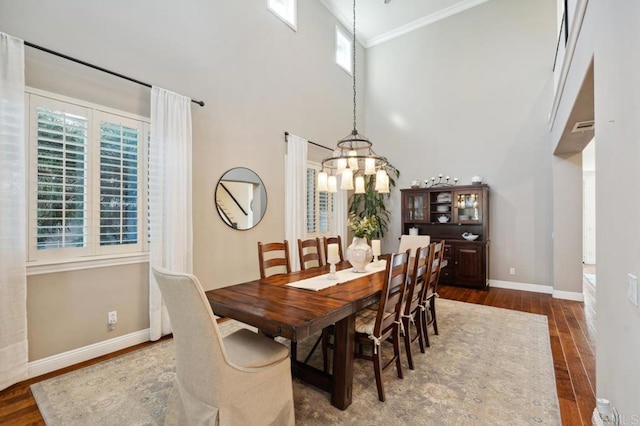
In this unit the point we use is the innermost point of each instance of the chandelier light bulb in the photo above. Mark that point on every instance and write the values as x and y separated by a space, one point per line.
370 166
353 162
332 183
322 182
347 179
342 164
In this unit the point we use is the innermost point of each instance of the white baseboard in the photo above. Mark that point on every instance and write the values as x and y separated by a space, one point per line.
75 356
538 288
512 285
568 295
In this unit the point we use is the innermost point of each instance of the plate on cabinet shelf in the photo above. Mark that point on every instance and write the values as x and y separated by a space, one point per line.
444 198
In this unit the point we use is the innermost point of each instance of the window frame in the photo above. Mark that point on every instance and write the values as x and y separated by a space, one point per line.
331 201
92 254
290 16
341 34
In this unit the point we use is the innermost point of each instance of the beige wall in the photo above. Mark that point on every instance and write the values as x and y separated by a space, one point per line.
68 310
567 224
468 96
258 79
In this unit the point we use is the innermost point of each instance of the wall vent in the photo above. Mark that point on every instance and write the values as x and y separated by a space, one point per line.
583 126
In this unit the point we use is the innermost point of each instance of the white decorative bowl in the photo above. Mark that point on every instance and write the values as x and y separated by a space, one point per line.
442 209
443 219
469 236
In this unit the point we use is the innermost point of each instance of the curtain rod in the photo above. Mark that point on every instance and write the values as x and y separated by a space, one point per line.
87 64
312 143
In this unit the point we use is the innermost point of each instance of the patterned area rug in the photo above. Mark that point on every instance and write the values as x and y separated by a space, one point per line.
488 366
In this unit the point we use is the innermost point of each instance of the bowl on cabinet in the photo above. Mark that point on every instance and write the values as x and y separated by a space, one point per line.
469 236
443 219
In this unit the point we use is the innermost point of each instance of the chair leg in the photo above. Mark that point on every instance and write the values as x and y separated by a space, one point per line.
432 307
419 328
396 351
425 326
407 341
377 369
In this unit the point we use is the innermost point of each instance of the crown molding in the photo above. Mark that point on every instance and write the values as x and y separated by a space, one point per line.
404 29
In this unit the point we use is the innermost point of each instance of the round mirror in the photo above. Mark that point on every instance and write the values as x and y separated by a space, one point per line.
241 198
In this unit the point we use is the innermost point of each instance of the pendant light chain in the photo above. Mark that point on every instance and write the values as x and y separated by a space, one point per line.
354 158
354 67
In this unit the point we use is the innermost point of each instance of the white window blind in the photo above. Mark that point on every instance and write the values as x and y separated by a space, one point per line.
119 175
61 211
319 205
88 180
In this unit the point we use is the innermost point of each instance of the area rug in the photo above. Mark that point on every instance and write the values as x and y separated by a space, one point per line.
488 366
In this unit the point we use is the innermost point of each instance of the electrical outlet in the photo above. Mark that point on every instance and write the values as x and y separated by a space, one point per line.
112 318
512 271
632 294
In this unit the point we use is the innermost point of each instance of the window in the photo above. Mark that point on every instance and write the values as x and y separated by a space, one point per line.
87 178
285 10
319 205
343 51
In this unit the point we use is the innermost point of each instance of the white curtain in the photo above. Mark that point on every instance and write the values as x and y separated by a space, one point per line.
13 276
169 196
295 199
340 215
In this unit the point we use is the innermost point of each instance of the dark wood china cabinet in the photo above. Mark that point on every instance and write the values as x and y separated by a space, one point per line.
448 212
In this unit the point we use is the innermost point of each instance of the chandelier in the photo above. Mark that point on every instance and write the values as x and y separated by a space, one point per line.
353 158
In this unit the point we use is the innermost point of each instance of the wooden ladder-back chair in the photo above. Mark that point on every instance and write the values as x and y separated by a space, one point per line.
376 327
243 378
430 294
277 255
332 240
413 307
310 252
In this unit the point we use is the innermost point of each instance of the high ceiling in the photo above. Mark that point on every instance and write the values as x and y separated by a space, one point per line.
377 21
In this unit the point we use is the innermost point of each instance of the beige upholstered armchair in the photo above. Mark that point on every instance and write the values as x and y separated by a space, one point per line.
241 379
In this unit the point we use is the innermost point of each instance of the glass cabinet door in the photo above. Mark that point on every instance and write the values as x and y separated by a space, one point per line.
467 206
416 208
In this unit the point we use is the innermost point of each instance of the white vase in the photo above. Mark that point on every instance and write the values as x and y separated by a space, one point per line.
359 254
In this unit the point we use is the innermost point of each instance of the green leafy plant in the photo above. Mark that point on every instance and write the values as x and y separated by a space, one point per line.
363 227
371 203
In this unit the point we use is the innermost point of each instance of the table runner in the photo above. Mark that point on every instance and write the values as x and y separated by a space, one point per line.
321 282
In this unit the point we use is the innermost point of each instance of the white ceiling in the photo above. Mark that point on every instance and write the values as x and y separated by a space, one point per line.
377 22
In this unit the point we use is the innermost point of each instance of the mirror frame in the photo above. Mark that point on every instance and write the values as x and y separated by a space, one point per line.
262 188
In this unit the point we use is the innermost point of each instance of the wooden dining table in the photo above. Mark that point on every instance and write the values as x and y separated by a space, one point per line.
295 314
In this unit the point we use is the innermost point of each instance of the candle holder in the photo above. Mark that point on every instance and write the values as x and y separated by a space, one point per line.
440 181
332 259
375 247
332 271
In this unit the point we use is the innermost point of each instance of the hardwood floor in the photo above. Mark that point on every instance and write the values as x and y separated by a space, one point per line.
571 330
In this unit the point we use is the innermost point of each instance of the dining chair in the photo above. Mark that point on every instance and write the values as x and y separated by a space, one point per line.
242 378
428 311
412 307
273 255
333 240
373 328
310 252
413 242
